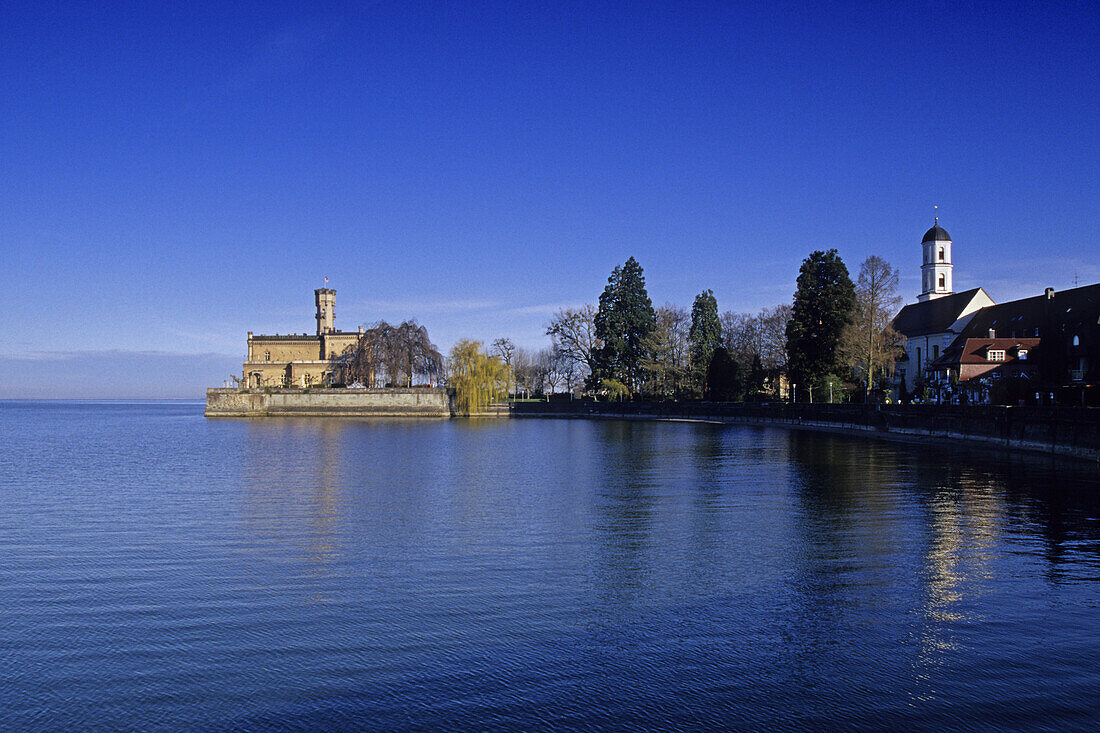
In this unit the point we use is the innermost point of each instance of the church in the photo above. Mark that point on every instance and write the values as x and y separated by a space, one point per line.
1043 349
301 360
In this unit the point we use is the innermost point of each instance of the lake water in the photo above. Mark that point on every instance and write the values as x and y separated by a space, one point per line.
163 571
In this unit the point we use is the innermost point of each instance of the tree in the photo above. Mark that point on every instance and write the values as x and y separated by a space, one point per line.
503 349
869 340
666 362
724 381
705 336
529 370
772 330
477 378
624 320
554 366
763 335
394 354
823 305
741 335
573 332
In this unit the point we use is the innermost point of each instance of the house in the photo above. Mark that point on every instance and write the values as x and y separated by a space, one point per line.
986 369
1065 327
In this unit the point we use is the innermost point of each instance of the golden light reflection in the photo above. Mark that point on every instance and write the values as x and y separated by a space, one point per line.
965 520
292 503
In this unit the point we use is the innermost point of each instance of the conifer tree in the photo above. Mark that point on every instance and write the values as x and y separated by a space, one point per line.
705 336
823 305
725 382
623 322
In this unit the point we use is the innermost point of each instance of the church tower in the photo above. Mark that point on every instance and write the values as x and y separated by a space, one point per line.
326 310
935 271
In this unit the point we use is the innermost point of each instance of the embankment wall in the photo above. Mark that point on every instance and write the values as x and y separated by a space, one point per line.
390 402
1062 431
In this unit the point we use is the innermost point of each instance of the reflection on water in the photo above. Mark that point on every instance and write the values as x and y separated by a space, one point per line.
164 571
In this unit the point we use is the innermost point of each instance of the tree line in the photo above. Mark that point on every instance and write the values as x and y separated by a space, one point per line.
832 342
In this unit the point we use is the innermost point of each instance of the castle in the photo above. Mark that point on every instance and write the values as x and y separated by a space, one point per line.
301 360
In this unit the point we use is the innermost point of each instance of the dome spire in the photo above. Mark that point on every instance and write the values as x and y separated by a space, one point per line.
936 209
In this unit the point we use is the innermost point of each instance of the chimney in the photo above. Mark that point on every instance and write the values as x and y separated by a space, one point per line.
992 333
1050 293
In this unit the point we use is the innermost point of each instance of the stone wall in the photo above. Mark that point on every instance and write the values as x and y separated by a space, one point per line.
396 402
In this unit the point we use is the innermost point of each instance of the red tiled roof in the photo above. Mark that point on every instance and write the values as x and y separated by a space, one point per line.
973 351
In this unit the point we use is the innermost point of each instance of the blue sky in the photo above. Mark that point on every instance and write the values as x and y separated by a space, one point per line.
172 177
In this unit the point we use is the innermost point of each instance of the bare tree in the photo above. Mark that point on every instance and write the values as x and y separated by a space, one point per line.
667 367
869 340
741 336
574 334
527 371
554 364
772 327
503 348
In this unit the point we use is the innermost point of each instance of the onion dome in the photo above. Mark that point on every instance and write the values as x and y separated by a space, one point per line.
936 234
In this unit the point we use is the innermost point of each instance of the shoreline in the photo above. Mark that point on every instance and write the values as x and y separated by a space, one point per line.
1079 441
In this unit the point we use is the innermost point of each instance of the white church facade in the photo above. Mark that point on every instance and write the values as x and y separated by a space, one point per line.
940 314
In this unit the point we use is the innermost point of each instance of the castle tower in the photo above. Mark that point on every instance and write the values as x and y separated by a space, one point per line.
935 270
326 310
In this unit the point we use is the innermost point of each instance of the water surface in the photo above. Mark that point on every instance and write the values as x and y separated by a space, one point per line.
163 571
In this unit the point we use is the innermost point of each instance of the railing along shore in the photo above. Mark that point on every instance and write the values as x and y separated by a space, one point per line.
1064 431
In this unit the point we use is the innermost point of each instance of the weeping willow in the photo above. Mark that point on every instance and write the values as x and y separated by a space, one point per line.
477 378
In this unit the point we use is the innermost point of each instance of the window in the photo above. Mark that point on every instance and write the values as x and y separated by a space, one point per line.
996 355
1021 354
1076 340
941 254
943 281
267 356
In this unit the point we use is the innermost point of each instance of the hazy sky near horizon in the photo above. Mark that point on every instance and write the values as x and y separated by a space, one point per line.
174 175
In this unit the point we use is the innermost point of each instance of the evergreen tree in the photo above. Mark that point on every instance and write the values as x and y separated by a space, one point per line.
725 382
623 322
754 383
705 335
823 305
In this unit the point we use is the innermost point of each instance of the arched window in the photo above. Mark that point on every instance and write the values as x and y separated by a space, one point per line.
1076 340
267 356
943 282
941 254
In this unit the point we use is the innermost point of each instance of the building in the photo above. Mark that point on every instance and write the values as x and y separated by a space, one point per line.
1045 348
1059 333
301 360
939 316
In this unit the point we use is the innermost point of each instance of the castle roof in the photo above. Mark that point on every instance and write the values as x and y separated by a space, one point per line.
285 337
